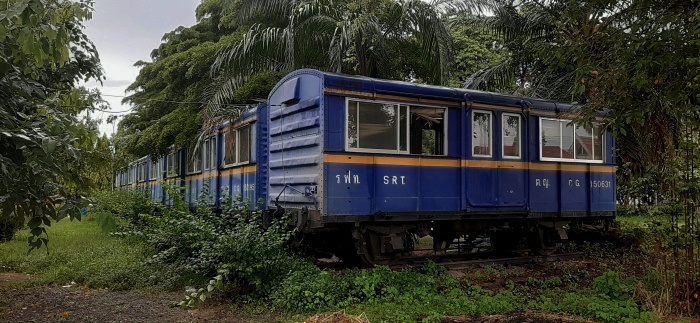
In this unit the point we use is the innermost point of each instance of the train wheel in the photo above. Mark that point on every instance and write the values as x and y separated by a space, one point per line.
543 241
383 248
369 250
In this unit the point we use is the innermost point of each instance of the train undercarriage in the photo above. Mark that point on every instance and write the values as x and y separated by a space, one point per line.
372 243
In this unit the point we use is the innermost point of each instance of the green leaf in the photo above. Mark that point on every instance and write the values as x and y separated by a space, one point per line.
34 223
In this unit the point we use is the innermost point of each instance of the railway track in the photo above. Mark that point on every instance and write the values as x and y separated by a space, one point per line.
457 264
464 261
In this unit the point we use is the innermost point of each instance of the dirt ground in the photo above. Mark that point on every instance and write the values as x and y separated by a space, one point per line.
81 304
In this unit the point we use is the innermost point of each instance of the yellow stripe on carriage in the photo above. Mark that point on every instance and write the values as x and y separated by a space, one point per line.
467 163
386 160
224 172
239 170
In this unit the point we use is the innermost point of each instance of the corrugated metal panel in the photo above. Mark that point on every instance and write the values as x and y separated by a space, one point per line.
296 141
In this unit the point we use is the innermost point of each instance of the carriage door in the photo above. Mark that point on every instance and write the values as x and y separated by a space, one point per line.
482 178
511 171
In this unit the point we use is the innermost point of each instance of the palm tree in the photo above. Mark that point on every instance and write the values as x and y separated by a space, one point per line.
377 38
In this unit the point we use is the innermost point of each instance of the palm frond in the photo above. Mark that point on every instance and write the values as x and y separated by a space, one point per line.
272 10
435 37
495 78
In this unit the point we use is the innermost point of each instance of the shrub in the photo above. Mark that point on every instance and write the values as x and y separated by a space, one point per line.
121 210
9 225
230 247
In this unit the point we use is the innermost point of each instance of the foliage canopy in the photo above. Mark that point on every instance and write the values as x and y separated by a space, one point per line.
43 54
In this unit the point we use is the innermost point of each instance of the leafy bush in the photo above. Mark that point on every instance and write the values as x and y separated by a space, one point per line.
9 225
230 247
121 210
611 285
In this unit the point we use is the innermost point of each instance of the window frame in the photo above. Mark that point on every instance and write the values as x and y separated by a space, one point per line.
205 155
208 153
225 138
153 175
238 144
572 160
172 158
195 154
491 122
237 151
399 106
520 135
213 154
142 171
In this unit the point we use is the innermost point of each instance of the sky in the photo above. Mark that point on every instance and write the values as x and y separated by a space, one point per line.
126 31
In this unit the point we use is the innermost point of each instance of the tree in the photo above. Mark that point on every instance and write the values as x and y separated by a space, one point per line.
379 38
168 92
43 54
475 49
628 59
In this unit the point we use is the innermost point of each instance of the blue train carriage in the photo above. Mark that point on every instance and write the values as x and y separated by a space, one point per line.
242 151
223 165
383 162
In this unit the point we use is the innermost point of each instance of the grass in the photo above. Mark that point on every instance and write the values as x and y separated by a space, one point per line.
80 252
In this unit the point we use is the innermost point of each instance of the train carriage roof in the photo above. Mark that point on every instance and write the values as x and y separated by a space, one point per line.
367 84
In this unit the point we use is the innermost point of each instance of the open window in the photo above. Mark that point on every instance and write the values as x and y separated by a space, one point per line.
395 128
427 131
563 140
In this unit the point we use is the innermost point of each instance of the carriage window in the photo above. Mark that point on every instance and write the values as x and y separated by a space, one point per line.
375 126
173 165
481 130
230 143
427 131
237 145
209 154
154 169
142 172
213 164
511 136
194 164
244 140
395 128
205 158
564 140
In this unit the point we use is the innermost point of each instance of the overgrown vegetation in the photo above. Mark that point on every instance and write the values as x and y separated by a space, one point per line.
230 247
251 264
